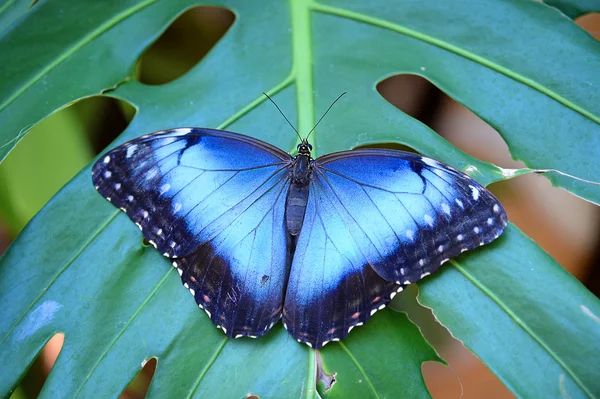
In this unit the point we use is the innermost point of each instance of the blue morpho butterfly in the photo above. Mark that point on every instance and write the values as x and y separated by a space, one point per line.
258 235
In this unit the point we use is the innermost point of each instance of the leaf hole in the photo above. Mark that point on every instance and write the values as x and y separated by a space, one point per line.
183 44
590 23
60 146
392 146
138 387
561 223
420 99
464 368
32 383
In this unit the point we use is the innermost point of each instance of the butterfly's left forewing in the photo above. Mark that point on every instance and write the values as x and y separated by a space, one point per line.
388 217
214 201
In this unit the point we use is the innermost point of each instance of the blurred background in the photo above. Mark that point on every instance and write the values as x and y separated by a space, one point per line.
567 227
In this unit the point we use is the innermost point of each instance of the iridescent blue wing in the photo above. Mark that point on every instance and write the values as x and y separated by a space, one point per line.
377 220
214 201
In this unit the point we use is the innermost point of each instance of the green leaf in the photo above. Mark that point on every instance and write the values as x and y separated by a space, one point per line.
58 142
526 303
575 8
80 267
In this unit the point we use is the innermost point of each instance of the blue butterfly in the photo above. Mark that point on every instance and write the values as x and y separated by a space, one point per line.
258 235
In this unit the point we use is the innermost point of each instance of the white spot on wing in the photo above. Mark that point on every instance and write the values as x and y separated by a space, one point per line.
445 208
410 234
476 230
459 237
177 207
459 203
107 174
496 208
164 188
430 162
474 192
131 150
106 159
428 219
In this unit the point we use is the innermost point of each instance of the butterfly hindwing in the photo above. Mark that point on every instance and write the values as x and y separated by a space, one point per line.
238 276
331 288
392 214
214 201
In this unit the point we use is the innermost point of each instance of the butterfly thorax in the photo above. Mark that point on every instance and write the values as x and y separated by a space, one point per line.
297 197
301 169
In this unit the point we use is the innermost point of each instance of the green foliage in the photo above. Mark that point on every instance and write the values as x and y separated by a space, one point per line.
79 267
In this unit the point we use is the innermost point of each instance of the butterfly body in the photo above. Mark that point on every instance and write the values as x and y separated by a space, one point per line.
297 196
258 235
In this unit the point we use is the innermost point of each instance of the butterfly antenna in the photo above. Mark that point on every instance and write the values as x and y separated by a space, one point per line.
319 121
282 114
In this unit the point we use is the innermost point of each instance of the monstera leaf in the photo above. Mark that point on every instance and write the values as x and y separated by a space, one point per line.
80 268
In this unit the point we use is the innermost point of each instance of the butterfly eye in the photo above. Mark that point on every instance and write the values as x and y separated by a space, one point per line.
309 146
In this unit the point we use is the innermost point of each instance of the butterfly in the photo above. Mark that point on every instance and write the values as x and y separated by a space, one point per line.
258 235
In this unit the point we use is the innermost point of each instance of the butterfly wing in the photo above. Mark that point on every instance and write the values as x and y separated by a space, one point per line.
377 220
214 201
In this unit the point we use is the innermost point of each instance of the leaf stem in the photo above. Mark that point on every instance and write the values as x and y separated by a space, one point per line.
303 63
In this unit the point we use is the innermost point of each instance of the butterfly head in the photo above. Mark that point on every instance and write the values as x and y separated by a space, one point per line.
304 148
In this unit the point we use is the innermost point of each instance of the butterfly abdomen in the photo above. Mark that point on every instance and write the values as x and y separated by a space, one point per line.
295 208
297 197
